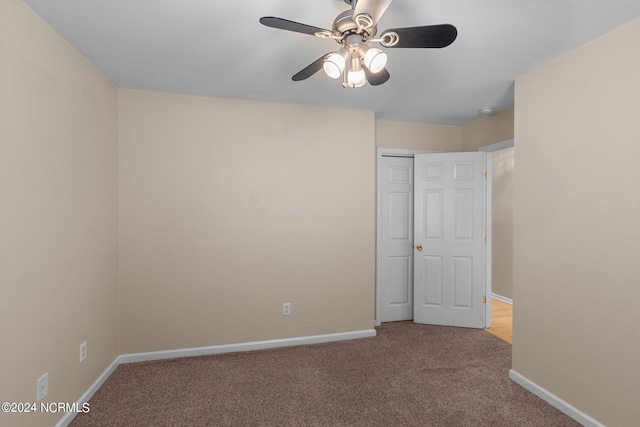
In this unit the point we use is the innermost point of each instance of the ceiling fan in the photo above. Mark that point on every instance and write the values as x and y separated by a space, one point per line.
356 62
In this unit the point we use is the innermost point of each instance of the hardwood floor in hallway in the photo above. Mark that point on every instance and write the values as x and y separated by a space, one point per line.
501 320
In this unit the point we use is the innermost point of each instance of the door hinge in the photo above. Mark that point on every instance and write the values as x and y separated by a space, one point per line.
484 235
484 171
484 299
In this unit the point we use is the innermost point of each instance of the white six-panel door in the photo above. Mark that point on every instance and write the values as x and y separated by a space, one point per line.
396 269
449 240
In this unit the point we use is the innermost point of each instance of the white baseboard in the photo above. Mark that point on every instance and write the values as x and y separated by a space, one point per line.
245 346
554 400
502 298
69 416
205 351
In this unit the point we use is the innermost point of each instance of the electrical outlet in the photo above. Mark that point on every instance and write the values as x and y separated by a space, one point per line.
42 386
286 309
83 351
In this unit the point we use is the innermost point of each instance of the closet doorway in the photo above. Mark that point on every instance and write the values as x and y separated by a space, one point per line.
395 260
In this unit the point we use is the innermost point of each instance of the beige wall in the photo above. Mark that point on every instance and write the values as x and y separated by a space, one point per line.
417 136
488 130
230 208
470 137
58 215
502 222
577 234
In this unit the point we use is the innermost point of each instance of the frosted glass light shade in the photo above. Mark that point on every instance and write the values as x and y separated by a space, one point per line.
334 65
375 60
356 78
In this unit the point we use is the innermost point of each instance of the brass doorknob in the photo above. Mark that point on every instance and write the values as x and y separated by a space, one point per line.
419 247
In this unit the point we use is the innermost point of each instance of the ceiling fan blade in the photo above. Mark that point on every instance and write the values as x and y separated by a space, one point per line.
309 70
285 24
373 8
428 36
376 79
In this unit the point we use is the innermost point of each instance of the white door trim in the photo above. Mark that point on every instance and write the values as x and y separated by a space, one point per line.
488 248
489 149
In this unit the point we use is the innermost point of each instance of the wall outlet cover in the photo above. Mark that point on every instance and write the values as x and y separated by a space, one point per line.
286 309
83 351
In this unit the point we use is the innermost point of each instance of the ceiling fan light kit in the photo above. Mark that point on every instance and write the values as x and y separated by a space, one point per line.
357 62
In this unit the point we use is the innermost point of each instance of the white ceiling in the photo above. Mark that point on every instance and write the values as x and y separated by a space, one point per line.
219 48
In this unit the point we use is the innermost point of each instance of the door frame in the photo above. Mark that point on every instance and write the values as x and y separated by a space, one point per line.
489 149
400 152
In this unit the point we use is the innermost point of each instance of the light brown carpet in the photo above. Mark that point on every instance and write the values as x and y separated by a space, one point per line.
408 375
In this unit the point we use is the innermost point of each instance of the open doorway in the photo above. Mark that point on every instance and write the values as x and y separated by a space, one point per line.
501 319
502 165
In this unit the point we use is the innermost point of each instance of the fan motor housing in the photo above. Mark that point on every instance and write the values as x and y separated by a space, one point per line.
344 25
